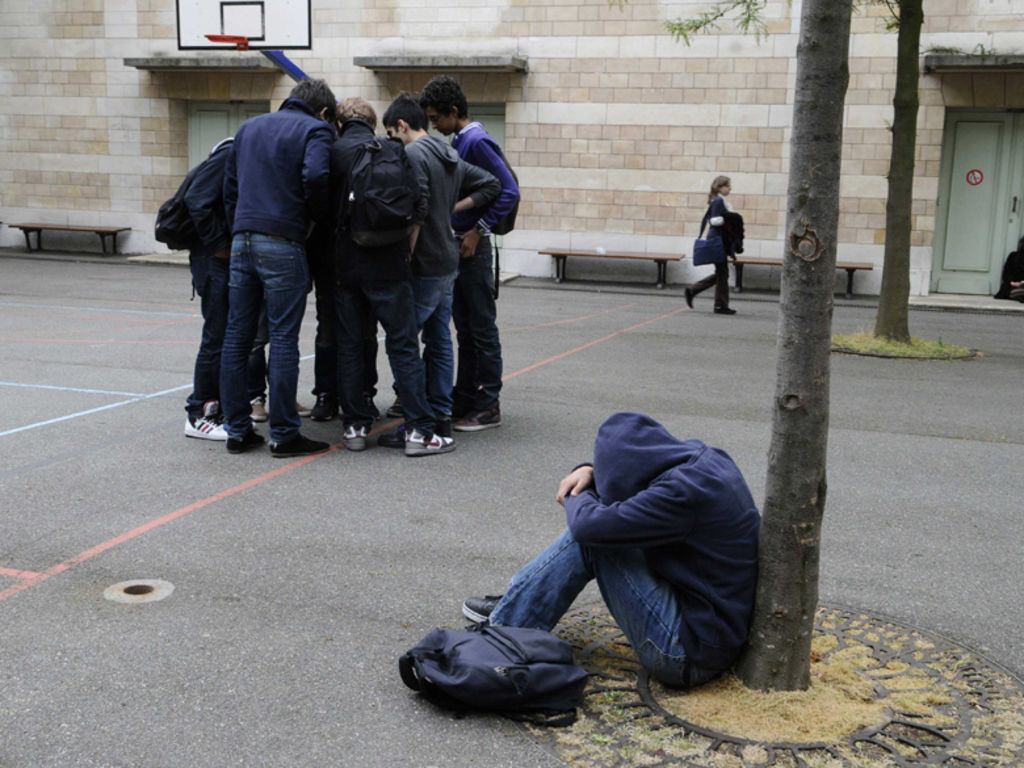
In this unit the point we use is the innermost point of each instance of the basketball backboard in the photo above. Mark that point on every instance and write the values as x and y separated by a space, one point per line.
268 24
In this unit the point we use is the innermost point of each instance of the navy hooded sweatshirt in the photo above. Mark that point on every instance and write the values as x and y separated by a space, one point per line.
687 506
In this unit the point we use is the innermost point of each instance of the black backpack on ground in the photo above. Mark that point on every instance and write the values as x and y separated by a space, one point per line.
524 674
174 226
382 194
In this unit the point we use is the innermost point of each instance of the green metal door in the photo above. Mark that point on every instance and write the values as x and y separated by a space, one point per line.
980 199
211 121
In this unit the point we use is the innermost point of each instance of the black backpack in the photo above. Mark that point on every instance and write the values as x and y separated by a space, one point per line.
524 674
174 226
507 223
382 193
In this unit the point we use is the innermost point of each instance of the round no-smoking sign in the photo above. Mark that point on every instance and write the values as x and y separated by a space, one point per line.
975 177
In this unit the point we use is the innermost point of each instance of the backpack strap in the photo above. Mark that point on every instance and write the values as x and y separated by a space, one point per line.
552 718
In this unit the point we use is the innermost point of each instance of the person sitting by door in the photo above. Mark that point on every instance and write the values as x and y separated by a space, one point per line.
1013 273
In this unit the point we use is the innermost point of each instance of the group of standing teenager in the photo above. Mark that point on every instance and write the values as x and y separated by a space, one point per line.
274 210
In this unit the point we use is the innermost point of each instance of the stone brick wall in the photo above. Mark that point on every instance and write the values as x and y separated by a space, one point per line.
616 130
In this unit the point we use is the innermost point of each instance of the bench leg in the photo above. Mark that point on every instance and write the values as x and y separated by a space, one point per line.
849 283
559 268
739 277
103 242
662 267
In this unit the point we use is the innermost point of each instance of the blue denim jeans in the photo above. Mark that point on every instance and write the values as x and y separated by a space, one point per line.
478 379
357 309
256 373
210 281
273 270
644 605
433 297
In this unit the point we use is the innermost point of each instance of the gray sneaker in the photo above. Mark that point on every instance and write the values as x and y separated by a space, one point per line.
419 444
479 609
355 438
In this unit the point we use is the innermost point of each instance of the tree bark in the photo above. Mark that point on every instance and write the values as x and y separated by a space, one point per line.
778 653
892 321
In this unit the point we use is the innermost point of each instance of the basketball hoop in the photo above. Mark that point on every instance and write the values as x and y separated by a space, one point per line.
240 41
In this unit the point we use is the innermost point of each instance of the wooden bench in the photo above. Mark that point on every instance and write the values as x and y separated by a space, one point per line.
561 254
849 266
103 232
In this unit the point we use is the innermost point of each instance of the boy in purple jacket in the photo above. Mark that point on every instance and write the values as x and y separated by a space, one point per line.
478 373
669 530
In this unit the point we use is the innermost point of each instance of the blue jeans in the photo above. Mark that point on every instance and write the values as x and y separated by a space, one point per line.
257 366
433 297
644 605
357 309
210 281
273 270
478 380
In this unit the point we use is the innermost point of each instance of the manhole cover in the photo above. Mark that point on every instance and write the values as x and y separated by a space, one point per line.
138 591
944 705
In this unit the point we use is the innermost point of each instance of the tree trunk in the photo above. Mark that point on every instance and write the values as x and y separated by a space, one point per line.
891 322
778 654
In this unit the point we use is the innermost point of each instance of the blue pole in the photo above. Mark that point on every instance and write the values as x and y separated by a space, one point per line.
286 65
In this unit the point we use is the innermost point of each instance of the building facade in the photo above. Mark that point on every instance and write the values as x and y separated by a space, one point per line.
614 128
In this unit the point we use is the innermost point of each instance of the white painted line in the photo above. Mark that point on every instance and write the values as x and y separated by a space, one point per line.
70 389
72 308
134 399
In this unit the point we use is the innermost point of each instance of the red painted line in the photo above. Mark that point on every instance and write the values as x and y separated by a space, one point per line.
14 573
92 341
591 344
570 320
49 573
38 578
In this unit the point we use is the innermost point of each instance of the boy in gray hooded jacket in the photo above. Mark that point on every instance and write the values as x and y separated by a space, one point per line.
449 184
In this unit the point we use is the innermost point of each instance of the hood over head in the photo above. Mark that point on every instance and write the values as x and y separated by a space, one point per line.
631 450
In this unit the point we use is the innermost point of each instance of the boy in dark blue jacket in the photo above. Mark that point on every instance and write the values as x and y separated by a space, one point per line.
275 190
478 374
669 530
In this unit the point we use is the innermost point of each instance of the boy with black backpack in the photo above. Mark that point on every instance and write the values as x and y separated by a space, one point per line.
477 404
194 218
376 200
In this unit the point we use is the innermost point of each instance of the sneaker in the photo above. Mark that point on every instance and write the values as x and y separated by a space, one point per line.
689 297
259 408
393 439
209 425
355 438
246 442
326 407
302 410
461 408
477 420
297 446
480 608
371 407
419 444
724 311
395 411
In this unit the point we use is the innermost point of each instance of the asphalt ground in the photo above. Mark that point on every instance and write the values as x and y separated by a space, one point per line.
297 584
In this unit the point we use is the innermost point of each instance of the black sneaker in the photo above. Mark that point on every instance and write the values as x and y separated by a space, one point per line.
724 311
488 418
248 441
394 439
326 407
395 410
297 446
480 608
